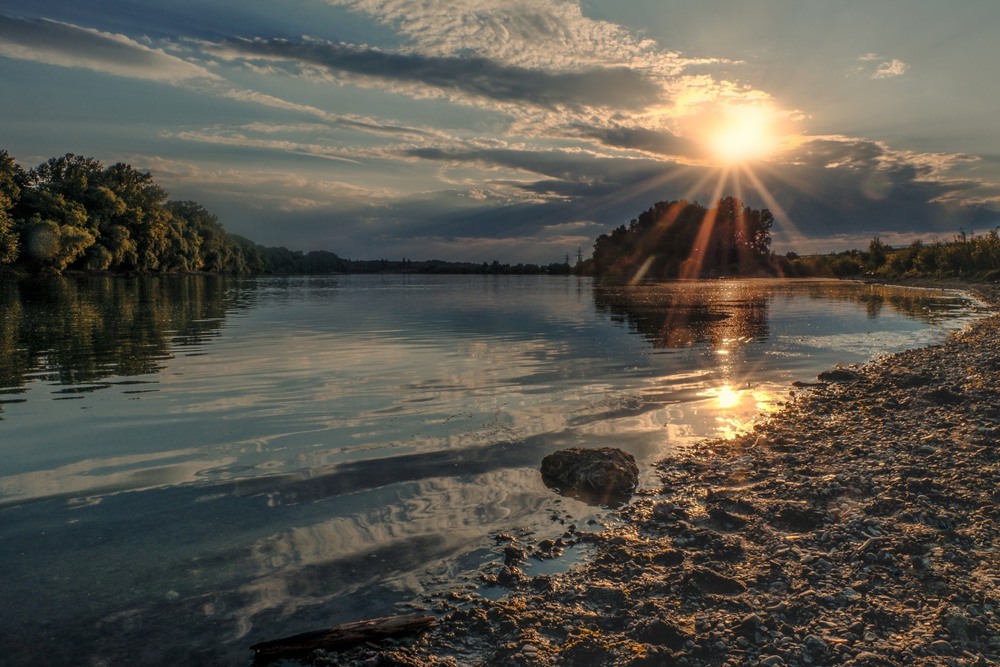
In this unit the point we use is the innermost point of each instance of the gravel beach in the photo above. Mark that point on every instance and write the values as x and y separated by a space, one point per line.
858 525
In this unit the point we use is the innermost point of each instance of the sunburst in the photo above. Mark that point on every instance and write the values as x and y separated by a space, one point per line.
738 134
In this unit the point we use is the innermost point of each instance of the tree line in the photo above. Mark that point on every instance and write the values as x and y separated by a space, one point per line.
74 213
974 257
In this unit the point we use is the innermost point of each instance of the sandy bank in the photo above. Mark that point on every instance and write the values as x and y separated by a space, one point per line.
858 526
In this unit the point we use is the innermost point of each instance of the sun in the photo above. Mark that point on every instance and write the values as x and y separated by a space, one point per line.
740 134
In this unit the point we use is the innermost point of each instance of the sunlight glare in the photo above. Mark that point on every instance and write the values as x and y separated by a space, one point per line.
727 397
742 134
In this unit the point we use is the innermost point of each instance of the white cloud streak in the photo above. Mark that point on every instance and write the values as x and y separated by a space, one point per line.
282 190
67 45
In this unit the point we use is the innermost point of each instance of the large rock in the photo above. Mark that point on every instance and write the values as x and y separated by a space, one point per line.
603 476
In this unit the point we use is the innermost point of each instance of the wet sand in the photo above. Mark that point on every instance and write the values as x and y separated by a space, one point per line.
856 526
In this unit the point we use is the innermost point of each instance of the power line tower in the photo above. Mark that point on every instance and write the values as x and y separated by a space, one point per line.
579 256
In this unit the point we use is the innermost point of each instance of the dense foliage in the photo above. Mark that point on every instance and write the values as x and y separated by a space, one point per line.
681 239
972 257
967 257
72 212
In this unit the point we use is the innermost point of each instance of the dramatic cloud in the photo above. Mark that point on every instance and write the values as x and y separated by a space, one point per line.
550 34
510 129
476 76
65 45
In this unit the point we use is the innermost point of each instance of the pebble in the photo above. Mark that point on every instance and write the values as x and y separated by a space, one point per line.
941 647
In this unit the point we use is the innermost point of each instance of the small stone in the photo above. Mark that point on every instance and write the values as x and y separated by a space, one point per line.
662 633
850 594
822 566
508 575
710 581
513 555
813 648
941 647
749 626
771 661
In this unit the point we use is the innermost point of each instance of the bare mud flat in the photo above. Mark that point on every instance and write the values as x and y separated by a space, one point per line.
856 526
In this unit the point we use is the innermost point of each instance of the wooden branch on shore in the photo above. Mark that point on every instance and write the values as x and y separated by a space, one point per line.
339 637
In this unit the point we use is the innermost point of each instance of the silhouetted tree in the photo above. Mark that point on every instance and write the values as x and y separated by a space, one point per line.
681 238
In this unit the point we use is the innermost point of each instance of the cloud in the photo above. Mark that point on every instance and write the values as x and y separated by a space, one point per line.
67 45
849 185
878 67
235 138
475 76
551 34
855 186
553 173
890 69
266 190
353 122
660 142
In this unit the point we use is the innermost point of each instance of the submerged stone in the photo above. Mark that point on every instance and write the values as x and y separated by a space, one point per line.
602 476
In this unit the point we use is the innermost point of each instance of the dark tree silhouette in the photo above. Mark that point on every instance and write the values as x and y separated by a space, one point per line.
674 239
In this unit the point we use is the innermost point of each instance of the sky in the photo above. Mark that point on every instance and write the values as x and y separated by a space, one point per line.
520 130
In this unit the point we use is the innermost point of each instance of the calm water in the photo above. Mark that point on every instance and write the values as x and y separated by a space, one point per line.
193 465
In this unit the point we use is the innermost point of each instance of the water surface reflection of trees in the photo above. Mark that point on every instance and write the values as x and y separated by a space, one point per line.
713 313
676 315
84 330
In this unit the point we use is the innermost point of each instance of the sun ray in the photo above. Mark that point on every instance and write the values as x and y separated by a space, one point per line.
785 220
692 267
664 225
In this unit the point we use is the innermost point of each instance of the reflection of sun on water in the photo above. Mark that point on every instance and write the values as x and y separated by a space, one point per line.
727 397
738 409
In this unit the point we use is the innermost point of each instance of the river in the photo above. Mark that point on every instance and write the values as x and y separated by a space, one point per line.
194 464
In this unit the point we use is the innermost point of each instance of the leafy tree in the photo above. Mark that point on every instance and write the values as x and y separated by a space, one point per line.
51 246
12 181
878 252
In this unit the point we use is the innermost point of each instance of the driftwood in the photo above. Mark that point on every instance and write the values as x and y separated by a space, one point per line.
339 637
